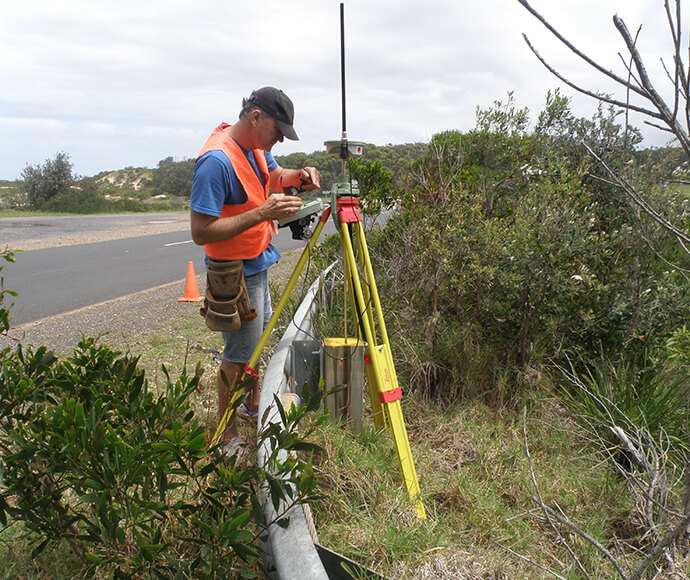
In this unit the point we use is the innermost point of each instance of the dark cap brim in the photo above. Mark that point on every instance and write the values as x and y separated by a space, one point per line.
287 130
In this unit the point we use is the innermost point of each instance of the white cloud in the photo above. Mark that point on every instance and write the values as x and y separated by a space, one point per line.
130 83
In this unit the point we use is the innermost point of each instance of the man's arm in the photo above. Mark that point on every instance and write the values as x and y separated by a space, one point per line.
306 179
207 229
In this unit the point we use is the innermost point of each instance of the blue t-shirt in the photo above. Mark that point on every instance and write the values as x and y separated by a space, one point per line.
215 184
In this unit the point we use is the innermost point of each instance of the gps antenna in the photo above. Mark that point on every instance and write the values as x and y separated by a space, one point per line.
342 65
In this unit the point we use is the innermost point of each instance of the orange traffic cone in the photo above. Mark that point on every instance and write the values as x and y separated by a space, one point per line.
191 290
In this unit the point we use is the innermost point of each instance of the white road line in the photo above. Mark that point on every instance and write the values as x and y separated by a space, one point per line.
178 243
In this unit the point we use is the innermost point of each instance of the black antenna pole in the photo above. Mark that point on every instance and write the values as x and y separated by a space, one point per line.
345 148
342 61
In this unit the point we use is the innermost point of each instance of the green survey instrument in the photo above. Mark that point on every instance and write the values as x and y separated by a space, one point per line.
384 391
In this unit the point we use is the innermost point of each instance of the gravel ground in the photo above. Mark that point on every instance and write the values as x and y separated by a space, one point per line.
35 233
143 313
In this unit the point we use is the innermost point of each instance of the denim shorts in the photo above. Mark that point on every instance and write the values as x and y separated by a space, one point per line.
240 345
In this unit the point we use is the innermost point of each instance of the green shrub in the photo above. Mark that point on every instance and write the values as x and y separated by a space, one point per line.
8 256
93 458
86 198
505 256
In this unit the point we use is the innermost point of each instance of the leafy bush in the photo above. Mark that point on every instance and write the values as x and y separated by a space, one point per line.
95 459
86 198
45 181
173 177
8 256
505 255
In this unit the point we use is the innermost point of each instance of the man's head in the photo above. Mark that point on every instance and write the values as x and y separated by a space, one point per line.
276 104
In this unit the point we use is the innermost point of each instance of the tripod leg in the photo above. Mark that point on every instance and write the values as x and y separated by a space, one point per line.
345 243
250 368
278 310
373 290
359 243
382 371
359 246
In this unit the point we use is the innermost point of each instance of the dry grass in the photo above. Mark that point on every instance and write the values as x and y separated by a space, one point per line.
475 480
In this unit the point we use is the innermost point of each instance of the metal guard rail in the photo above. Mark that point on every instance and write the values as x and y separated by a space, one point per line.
289 553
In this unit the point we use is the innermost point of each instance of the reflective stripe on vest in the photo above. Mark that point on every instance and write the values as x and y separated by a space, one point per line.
251 242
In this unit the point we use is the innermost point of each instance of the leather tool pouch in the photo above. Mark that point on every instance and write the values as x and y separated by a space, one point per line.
226 304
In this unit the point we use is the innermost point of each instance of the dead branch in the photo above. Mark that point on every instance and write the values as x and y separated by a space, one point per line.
656 483
526 559
613 76
584 535
540 502
642 85
648 87
666 541
680 235
598 96
648 455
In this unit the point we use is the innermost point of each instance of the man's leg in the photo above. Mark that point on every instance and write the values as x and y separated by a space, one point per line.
240 346
228 375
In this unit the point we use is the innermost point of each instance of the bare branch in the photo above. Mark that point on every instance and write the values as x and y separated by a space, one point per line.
627 92
526 559
647 239
597 96
681 79
631 74
660 127
647 453
584 535
680 235
679 88
648 86
540 503
644 87
666 541
575 50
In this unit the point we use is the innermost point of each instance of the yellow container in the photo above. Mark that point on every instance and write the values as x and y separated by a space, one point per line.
342 364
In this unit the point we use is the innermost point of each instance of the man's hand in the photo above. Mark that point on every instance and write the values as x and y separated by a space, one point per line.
310 178
307 179
279 206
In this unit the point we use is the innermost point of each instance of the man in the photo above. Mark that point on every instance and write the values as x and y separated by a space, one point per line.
232 213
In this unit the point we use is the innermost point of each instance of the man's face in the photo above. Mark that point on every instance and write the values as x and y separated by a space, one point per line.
268 133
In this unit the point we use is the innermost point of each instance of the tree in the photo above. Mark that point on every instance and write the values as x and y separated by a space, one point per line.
45 181
673 118
174 177
375 186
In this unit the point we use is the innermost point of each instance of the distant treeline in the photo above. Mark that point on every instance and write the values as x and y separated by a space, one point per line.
54 186
175 177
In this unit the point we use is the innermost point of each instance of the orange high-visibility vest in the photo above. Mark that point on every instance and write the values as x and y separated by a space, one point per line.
251 242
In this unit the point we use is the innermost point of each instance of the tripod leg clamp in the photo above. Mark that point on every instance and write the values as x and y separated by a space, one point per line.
250 372
390 396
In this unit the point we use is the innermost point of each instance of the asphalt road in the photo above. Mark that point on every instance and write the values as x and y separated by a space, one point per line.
61 279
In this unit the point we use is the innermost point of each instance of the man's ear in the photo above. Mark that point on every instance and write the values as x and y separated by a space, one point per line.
255 116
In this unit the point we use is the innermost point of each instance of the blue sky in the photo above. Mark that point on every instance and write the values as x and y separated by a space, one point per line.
117 84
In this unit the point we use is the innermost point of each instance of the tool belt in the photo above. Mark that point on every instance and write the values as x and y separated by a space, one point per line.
226 304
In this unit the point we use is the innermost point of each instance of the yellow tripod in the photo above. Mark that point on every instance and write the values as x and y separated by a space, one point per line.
384 391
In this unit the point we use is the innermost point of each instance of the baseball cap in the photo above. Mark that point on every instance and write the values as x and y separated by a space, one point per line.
278 105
